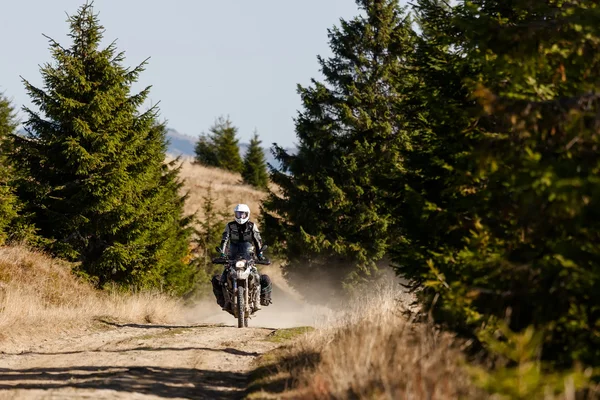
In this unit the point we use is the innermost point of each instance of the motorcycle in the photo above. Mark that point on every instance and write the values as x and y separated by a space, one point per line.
242 285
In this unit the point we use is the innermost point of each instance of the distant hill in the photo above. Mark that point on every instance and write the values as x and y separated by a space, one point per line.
181 144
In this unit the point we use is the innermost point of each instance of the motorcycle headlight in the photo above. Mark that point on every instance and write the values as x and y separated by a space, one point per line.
240 264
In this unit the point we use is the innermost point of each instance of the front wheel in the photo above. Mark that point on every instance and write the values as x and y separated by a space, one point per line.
241 307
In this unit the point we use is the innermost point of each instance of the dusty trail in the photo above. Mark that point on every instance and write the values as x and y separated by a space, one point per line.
205 357
137 362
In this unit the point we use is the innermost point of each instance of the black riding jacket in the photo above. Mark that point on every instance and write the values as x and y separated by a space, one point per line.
238 233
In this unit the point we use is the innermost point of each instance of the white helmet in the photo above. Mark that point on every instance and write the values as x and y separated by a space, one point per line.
242 213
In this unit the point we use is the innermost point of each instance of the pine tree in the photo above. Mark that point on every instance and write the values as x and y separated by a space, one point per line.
220 148
91 167
509 197
255 167
537 239
435 213
206 153
9 205
332 218
228 149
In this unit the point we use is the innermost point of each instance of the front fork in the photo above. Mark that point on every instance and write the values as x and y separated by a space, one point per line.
234 303
235 290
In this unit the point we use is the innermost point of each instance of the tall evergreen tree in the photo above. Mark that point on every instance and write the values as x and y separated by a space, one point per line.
255 167
228 148
9 205
439 188
220 148
91 167
510 224
538 236
332 218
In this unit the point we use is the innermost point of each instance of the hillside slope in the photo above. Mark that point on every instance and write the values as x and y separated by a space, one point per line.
227 189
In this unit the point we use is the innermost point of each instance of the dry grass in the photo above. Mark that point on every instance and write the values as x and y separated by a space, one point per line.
371 352
226 187
39 297
382 355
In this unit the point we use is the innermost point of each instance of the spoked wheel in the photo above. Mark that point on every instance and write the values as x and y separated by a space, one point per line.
242 320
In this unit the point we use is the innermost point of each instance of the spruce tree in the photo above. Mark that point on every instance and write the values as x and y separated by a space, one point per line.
206 152
228 149
439 190
255 167
9 205
504 205
91 167
535 249
332 217
220 148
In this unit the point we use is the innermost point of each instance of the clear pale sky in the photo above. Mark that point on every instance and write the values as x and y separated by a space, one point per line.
240 58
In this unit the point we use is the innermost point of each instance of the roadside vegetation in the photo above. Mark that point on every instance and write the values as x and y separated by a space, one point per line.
40 298
379 347
371 350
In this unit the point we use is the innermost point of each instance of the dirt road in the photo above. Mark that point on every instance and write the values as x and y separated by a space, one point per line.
203 357
137 362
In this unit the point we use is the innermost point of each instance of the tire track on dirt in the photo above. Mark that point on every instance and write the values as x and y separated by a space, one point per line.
137 362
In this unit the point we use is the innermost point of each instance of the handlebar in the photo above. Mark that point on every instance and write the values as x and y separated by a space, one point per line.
225 260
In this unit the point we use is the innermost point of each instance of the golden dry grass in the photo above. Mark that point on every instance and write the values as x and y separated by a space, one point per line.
227 189
371 352
39 297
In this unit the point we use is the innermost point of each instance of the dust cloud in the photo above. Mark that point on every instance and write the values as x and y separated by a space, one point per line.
288 310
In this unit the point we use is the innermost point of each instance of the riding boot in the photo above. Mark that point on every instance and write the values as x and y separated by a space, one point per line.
257 303
255 290
223 282
227 302
217 290
265 290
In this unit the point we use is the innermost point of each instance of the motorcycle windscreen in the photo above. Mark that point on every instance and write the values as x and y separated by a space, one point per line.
243 250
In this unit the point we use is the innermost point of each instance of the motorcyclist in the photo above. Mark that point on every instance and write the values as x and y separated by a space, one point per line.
237 233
